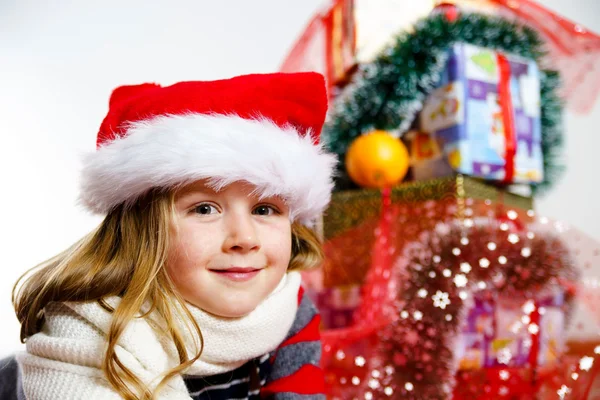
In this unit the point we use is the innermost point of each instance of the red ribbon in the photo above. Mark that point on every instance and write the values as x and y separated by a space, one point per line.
534 352
504 98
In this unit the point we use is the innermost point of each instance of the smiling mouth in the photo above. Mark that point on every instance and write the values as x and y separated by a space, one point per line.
238 274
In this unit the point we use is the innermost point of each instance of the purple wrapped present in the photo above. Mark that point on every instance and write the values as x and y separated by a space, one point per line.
499 331
484 119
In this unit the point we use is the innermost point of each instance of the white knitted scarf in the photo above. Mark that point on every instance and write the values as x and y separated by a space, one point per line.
73 342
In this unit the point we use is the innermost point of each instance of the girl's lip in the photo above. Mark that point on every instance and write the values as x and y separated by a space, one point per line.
238 274
239 269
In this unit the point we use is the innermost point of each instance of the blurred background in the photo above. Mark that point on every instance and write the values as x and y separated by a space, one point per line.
60 62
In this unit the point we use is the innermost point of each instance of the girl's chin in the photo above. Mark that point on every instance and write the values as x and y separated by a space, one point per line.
227 309
232 312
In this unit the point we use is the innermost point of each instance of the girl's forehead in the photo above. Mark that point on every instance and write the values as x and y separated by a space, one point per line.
201 187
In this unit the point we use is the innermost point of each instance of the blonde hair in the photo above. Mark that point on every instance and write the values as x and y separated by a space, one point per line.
125 256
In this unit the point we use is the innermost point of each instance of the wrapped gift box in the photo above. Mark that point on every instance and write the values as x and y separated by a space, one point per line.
484 119
337 305
496 332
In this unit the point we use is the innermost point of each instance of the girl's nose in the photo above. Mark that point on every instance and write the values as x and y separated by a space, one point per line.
241 234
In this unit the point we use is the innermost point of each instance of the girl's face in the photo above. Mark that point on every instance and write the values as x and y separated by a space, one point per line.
230 249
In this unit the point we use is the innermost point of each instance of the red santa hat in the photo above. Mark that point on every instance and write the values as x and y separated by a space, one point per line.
263 129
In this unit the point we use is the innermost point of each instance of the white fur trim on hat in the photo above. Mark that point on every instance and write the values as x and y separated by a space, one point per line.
172 150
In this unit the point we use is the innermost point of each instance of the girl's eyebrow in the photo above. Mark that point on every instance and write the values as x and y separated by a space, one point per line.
193 190
274 199
190 196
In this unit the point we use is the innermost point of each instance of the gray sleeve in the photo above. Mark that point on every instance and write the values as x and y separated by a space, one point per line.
10 380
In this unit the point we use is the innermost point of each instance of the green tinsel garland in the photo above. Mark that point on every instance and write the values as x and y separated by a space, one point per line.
388 92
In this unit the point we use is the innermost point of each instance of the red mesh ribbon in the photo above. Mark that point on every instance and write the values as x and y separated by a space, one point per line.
514 383
374 252
377 303
378 294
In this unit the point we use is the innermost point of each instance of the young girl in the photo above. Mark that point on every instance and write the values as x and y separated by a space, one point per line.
190 287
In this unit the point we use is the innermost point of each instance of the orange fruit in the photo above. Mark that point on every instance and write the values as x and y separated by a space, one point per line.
377 160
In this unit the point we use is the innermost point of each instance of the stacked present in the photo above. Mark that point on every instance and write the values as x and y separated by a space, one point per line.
498 331
484 119
337 305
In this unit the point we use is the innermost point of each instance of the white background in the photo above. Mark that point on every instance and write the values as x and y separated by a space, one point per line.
59 63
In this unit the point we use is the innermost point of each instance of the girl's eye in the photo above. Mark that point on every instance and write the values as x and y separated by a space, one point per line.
264 210
205 209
